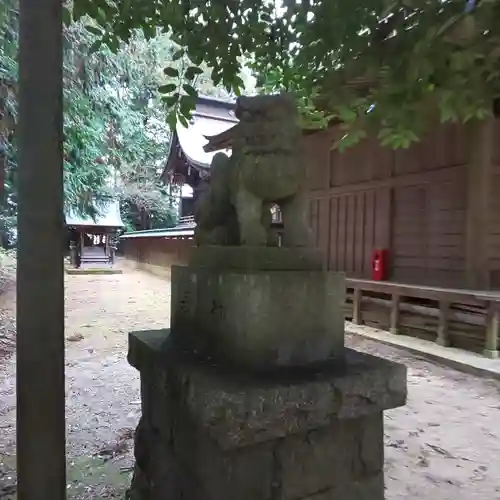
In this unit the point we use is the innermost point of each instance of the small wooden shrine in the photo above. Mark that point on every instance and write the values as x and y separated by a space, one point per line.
92 240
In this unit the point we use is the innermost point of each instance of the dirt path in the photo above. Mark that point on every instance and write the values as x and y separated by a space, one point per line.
444 444
103 395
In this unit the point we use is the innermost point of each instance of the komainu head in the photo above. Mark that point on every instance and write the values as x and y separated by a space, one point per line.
268 124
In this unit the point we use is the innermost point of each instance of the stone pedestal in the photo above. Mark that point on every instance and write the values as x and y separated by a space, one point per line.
252 395
260 308
209 432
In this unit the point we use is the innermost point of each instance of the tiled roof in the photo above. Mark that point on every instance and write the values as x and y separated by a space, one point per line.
185 228
109 216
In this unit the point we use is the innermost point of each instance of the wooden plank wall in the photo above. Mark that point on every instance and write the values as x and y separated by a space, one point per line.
410 201
494 216
157 251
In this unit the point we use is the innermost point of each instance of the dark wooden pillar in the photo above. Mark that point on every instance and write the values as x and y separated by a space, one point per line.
478 186
41 461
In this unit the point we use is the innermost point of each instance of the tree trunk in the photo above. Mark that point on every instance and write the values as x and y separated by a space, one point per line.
41 461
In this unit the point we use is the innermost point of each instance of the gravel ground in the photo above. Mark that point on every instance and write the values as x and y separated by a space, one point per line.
444 444
7 322
103 391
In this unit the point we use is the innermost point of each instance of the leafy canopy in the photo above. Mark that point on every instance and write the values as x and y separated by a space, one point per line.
115 136
390 65
114 124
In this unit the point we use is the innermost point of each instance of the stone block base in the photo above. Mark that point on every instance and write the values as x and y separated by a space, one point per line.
246 306
211 434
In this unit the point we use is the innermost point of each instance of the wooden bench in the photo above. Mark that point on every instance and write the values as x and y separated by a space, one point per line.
451 317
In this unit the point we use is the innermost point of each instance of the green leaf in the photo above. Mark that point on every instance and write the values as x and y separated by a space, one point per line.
186 105
182 119
80 10
171 72
113 43
67 16
93 30
171 100
347 114
351 138
149 31
447 114
171 119
178 54
190 90
216 77
191 72
452 20
96 45
166 89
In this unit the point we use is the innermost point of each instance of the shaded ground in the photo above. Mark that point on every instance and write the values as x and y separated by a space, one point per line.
444 444
7 322
103 398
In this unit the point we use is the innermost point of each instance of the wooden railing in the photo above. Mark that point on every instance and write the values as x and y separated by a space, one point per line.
450 317
186 219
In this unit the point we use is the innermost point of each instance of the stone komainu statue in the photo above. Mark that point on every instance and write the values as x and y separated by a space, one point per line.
265 168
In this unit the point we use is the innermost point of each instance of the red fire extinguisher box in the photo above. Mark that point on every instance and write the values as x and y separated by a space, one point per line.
380 264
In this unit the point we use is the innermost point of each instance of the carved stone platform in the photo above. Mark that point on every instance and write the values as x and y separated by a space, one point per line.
209 432
259 307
